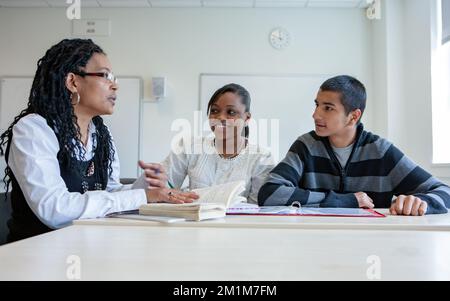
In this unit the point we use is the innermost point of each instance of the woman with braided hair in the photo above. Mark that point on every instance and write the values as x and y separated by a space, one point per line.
61 160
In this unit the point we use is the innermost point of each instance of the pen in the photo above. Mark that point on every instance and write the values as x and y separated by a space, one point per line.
168 182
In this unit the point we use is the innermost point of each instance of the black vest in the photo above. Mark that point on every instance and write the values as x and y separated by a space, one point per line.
86 177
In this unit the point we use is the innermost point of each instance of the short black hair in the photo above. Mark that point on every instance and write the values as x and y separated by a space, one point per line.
353 92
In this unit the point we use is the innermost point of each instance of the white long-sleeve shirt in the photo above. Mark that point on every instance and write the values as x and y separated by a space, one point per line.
200 161
33 161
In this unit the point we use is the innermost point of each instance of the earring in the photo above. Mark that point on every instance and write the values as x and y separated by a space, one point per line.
78 98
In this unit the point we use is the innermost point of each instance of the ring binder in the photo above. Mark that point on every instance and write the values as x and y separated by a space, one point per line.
296 204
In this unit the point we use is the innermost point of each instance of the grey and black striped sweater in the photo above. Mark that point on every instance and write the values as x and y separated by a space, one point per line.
311 174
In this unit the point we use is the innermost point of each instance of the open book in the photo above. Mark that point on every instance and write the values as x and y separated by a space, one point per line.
212 203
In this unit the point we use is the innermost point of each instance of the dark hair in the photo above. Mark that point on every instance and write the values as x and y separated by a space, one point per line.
353 92
238 90
50 98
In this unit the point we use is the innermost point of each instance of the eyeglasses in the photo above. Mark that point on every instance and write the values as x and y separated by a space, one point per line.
107 75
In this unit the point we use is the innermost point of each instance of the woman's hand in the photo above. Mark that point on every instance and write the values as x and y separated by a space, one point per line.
167 195
155 174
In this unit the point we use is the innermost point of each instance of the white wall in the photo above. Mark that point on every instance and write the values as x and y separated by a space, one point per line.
182 43
402 79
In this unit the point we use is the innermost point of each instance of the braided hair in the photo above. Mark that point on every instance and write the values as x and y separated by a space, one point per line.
50 98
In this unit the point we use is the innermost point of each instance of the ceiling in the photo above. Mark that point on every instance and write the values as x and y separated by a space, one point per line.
191 3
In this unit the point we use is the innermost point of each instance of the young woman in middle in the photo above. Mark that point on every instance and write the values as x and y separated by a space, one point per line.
226 155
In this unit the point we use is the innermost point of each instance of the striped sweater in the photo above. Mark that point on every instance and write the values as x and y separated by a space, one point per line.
311 174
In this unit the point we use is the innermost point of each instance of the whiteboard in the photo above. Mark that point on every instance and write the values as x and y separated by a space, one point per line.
124 124
284 99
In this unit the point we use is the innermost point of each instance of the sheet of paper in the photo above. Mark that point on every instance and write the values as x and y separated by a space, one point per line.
242 205
255 209
161 219
219 194
336 211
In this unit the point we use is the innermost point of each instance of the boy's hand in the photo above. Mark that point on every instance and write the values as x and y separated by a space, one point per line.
408 205
155 174
364 201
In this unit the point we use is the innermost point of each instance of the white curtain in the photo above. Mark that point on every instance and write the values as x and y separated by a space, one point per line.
445 21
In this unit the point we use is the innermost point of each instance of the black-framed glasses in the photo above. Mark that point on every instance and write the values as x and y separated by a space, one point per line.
106 75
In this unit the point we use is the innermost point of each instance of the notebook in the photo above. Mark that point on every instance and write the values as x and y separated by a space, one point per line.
251 209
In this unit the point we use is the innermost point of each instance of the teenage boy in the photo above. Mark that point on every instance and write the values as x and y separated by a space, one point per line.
342 165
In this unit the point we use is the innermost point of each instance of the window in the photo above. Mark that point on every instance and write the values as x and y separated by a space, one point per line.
441 86
445 13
